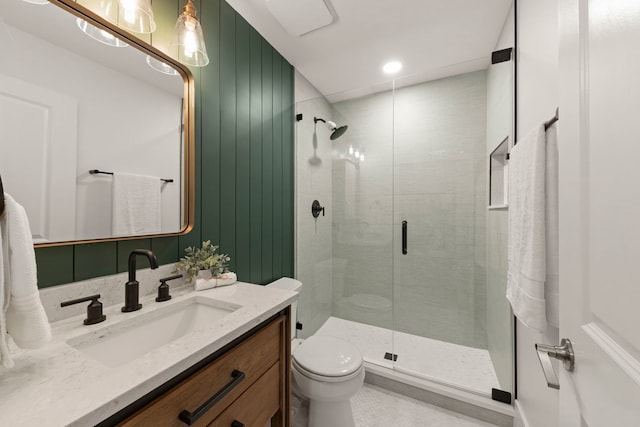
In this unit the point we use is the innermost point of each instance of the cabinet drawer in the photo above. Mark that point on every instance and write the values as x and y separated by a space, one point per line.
252 357
257 405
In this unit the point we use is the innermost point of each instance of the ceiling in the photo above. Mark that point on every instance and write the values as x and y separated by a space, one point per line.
432 38
52 24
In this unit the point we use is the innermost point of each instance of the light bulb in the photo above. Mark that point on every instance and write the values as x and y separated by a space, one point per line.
357 154
129 7
189 39
132 15
362 157
350 149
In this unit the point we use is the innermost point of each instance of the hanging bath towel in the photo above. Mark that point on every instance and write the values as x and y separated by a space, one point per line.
136 204
526 272
552 283
23 315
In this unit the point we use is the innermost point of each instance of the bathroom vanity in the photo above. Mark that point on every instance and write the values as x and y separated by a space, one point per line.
232 369
247 384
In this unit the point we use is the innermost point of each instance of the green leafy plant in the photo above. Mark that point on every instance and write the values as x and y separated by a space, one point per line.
204 258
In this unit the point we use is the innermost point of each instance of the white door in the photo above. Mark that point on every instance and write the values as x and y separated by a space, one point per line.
599 143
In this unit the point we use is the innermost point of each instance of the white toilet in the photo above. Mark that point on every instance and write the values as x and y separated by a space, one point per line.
325 370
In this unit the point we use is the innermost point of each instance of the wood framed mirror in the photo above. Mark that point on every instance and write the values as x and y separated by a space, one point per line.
71 106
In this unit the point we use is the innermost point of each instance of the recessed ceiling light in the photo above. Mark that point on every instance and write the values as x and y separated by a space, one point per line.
392 67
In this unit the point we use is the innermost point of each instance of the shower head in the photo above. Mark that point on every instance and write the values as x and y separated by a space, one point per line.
336 132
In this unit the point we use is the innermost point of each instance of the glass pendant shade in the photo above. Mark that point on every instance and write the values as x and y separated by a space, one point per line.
132 15
99 34
160 66
36 1
188 43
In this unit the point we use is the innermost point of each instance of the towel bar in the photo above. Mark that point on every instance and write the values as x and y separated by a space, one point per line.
96 171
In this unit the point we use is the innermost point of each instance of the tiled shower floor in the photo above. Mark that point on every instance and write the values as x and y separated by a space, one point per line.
466 367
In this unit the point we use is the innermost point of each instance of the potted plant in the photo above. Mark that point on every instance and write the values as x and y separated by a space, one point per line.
205 264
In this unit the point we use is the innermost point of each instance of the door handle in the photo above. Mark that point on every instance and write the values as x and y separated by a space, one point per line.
563 352
404 237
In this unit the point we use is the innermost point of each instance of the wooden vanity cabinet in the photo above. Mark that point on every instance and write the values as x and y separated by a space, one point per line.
246 384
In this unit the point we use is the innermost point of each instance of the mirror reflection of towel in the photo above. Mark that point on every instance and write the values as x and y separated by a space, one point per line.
136 204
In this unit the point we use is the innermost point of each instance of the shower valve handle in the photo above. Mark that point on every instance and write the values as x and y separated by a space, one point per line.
316 209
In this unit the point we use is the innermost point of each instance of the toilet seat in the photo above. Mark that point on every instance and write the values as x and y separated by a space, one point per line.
328 359
322 378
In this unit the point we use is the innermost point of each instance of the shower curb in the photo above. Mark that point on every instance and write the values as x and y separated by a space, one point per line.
462 402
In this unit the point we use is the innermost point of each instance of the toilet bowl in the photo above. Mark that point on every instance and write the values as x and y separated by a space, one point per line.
328 372
325 370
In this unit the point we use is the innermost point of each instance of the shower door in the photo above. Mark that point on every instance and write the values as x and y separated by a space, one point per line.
440 217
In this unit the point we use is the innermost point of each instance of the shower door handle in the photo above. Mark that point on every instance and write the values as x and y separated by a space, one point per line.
404 237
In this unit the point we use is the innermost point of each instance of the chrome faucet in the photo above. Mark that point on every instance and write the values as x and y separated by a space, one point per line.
131 288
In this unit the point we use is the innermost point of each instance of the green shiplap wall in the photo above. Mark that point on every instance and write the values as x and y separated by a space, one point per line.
244 159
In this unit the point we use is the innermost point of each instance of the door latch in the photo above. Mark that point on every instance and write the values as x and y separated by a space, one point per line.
563 352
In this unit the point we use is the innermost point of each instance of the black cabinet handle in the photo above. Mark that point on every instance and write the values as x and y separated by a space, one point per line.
191 417
237 424
404 237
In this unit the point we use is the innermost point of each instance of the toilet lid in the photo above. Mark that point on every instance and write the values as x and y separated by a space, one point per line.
328 356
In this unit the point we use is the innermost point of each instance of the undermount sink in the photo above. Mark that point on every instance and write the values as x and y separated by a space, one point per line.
123 342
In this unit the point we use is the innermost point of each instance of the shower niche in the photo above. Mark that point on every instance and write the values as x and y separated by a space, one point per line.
498 176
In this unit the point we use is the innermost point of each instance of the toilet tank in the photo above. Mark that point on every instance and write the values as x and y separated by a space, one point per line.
290 285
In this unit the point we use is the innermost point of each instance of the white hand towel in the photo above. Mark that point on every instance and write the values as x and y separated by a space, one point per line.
215 282
136 204
5 355
526 271
551 286
26 320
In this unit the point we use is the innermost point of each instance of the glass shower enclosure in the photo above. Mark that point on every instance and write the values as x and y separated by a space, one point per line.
408 260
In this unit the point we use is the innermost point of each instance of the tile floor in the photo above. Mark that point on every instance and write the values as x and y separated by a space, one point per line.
376 407
423 357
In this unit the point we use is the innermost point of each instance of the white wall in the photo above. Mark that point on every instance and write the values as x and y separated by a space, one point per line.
128 126
537 101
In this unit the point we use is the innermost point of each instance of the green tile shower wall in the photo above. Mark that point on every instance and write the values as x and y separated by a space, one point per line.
244 159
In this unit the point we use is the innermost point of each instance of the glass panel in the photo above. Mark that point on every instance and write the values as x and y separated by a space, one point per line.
362 226
440 191
344 255
314 263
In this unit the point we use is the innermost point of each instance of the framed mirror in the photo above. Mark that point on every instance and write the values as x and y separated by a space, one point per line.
95 143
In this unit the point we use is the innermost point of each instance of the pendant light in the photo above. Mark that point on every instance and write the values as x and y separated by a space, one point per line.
188 43
99 34
37 1
132 15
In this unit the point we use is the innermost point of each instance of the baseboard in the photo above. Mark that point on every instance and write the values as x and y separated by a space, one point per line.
469 404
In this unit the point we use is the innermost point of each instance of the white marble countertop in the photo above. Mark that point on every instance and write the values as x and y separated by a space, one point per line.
59 385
